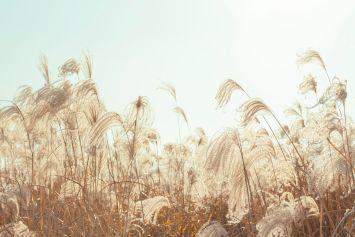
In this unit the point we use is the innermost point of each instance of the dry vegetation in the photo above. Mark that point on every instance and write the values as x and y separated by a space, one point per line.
69 167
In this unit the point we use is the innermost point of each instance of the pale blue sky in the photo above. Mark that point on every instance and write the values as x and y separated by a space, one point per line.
193 44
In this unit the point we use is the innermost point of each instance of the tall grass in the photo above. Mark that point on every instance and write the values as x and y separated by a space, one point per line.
69 167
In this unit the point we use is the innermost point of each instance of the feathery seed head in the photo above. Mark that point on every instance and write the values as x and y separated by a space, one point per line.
225 92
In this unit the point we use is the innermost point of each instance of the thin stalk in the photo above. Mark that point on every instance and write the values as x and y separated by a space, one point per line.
249 194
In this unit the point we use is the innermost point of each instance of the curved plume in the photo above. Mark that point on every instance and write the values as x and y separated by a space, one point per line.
212 229
140 111
24 96
151 207
181 112
50 100
105 122
250 108
296 110
222 152
69 67
169 88
85 88
9 112
311 56
225 92
281 217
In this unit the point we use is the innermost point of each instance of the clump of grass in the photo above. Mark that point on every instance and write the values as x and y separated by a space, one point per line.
69 167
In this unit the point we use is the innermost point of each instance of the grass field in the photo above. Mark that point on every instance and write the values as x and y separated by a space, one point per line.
69 167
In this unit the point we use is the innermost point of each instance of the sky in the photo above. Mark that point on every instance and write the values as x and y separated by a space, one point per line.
192 44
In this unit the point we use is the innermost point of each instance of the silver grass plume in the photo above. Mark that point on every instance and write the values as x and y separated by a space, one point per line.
99 129
50 100
281 218
336 91
256 148
85 89
250 109
181 112
325 172
311 56
170 89
150 135
93 113
176 150
308 84
199 139
225 92
24 96
10 112
44 68
69 67
296 110
87 66
202 136
151 208
223 152
212 229
225 163
140 112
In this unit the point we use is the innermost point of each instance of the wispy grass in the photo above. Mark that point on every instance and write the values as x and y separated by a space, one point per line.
72 168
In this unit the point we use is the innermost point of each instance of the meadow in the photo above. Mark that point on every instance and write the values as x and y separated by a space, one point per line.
70 167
